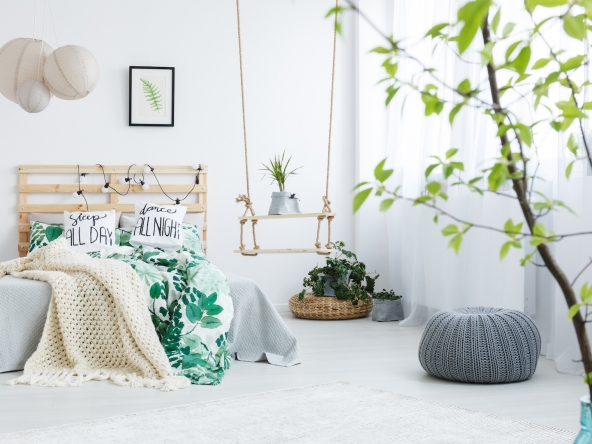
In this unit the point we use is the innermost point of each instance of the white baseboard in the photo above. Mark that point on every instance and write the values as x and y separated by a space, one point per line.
281 308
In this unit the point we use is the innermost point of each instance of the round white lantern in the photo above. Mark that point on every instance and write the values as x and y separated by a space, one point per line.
71 72
33 96
19 62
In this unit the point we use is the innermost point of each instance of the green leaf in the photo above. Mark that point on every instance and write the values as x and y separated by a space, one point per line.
450 230
433 187
386 204
454 111
193 312
510 50
382 50
421 199
570 110
496 20
52 232
361 184
520 63
487 53
431 168
541 63
569 168
531 4
505 250
472 15
435 30
361 197
508 29
455 243
191 360
575 25
210 322
155 290
451 152
214 309
464 86
539 230
152 95
573 310
573 63
191 340
380 173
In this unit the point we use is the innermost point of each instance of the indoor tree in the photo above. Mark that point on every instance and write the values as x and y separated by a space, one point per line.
503 50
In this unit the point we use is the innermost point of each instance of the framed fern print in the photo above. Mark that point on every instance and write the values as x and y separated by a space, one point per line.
151 96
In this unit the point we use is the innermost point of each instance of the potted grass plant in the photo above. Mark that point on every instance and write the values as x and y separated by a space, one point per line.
282 201
387 306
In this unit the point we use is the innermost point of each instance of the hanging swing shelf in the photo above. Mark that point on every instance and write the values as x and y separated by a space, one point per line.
253 252
286 216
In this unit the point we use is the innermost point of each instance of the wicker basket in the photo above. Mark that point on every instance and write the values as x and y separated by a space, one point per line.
327 308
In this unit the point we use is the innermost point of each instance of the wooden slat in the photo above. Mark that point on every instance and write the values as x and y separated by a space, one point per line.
96 188
26 228
109 169
22 200
323 251
126 208
285 216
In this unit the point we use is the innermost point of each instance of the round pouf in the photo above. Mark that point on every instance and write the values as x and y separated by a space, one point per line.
480 344
33 96
327 308
71 72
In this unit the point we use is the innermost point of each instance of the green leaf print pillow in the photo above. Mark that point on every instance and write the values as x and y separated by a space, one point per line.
192 239
122 237
42 234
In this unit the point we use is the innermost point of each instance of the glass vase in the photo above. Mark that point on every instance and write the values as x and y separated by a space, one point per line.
585 435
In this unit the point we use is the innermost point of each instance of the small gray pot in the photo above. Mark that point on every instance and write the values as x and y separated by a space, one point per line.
384 311
284 202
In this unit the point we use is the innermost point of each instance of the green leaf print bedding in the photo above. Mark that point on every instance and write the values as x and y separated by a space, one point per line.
191 309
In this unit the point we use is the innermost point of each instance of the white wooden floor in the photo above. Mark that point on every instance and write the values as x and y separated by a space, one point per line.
381 355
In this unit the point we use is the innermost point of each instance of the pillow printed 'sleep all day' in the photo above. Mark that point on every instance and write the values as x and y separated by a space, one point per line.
90 231
158 226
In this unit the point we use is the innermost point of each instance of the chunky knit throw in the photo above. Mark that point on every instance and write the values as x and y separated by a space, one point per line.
97 325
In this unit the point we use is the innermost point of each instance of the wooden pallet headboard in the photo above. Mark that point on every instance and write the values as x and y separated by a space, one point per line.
113 173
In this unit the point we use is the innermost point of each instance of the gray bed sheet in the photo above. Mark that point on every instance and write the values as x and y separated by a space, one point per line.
257 332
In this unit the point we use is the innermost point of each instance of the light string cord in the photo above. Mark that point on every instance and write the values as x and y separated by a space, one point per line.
129 183
80 190
55 34
42 37
177 201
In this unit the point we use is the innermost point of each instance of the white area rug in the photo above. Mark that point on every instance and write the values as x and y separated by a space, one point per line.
339 412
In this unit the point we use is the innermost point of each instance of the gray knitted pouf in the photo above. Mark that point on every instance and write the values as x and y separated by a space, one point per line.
480 344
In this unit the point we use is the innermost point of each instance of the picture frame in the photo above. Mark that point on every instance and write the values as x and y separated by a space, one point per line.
151 96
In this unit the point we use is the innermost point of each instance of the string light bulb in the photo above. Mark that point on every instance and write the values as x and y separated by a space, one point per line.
177 202
196 166
77 193
124 180
148 169
145 186
83 178
105 189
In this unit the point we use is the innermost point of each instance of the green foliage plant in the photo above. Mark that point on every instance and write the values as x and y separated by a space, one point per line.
345 275
504 52
277 170
385 295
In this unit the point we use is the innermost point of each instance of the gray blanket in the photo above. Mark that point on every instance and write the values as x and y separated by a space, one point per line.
257 331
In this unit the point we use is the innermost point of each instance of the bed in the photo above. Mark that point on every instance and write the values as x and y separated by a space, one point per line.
257 332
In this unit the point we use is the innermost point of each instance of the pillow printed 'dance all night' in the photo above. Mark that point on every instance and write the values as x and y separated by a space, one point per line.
158 226
90 231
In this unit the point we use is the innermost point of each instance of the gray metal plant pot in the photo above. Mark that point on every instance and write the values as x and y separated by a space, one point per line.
284 202
384 310
328 290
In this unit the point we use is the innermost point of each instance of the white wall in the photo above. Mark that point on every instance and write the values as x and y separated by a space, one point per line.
287 56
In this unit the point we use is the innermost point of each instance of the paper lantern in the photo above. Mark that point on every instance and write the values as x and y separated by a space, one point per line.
19 62
71 72
33 96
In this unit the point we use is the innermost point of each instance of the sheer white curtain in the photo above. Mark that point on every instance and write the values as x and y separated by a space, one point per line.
420 266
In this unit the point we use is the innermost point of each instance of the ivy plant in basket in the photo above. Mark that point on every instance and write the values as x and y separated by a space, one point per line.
343 274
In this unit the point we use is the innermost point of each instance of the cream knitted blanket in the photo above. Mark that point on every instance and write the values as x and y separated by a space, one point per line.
97 325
